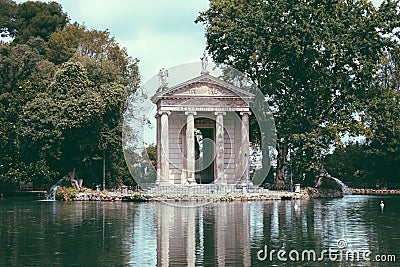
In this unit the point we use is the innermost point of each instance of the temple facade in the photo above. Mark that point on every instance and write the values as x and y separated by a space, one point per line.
202 131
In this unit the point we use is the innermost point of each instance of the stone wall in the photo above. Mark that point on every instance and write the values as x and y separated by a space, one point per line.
176 156
230 159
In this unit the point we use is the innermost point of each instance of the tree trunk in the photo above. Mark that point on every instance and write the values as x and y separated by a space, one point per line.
281 164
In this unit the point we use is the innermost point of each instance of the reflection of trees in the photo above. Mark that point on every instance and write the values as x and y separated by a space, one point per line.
64 234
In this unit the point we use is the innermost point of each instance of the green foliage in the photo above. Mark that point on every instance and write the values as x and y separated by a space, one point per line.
37 172
31 19
349 164
101 55
152 154
58 124
361 163
62 94
25 73
6 9
315 61
63 44
66 193
377 159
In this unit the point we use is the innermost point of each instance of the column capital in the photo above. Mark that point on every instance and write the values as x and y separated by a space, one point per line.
161 112
245 112
191 112
219 113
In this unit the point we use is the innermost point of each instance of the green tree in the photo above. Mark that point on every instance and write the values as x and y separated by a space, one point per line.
6 9
110 138
24 73
30 19
105 61
314 60
61 125
351 164
113 72
382 115
52 123
64 43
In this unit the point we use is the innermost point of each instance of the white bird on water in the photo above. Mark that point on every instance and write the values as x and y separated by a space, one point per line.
382 205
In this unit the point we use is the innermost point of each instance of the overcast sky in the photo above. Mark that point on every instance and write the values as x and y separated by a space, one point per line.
160 33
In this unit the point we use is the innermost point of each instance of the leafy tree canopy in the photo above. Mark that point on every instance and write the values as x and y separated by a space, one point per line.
62 93
102 56
316 61
30 19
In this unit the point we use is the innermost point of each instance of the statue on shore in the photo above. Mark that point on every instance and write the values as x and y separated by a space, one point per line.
76 183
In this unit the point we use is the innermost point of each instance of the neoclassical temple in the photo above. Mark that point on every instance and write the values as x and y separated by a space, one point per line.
202 131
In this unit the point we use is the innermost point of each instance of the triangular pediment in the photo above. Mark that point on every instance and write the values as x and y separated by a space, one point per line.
202 89
203 86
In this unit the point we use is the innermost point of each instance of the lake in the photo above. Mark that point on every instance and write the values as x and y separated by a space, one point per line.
352 231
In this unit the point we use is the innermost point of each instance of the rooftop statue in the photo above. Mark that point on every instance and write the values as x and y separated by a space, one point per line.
162 76
204 63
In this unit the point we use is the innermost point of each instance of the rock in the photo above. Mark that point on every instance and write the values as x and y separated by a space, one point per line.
313 192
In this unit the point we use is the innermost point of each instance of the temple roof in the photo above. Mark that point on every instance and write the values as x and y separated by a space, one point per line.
203 86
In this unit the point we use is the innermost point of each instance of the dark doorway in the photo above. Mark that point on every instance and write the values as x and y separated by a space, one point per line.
204 155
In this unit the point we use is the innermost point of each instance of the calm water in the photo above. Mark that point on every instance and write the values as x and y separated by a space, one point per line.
37 233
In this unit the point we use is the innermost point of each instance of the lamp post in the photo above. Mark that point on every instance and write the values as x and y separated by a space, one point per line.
104 170
291 170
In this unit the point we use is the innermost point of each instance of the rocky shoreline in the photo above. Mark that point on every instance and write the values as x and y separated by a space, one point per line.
146 196
366 191
69 194
316 193
90 195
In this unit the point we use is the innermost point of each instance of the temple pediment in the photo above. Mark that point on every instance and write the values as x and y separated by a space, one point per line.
202 90
204 86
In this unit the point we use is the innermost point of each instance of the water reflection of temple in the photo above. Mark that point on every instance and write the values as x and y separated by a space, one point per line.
190 236
231 234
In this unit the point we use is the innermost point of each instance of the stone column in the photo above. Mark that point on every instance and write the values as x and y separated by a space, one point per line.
245 146
221 224
164 149
158 142
165 215
246 245
191 237
219 136
190 164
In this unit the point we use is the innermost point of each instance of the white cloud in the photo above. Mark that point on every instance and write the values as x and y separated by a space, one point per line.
159 33
163 50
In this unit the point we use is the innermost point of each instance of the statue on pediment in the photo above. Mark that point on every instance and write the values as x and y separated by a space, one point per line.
162 77
204 63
